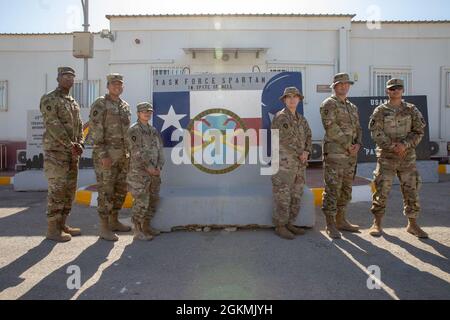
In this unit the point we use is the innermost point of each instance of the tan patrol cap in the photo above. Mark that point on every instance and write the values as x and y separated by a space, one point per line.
394 83
291 91
114 77
341 78
65 70
144 106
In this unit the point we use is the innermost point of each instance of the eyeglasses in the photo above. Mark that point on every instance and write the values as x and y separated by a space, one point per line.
395 88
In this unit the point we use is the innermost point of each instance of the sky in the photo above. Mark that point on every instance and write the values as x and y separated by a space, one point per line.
34 16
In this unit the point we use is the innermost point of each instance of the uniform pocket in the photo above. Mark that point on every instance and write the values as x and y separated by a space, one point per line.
404 125
389 124
55 166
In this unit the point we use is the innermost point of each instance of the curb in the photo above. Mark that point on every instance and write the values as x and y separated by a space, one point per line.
359 193
4 181
444 168
86 197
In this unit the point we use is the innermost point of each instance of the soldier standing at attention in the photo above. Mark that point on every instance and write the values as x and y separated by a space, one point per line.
342 141
109 121
397 127
63 145
294 150
144 177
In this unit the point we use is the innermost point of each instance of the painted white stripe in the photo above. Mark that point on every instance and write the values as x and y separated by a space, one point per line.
94 196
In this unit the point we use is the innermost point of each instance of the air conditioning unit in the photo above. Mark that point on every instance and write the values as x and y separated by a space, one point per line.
21 159
316 154
434 148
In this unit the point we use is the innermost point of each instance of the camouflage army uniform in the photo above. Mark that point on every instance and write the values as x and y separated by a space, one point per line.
288 182
63 128
389 125
109 122
342 129
146 148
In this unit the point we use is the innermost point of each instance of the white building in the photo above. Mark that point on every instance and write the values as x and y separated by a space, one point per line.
317 45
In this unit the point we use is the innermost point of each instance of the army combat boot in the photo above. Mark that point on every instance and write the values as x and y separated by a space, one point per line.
55 233
295 230
146 229
331 229
414 229
376 230
343 225
105 233
283 232
67 229
116 225
139 233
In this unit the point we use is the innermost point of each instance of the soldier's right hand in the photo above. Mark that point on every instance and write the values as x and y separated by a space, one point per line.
353 149
400 149
153 172
106 163
76 150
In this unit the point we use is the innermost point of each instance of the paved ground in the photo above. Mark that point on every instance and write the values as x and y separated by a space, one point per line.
247 264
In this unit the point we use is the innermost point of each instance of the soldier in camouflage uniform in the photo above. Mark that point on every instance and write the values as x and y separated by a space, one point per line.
63 145
109 121
342 141
294 149
144 179
397 127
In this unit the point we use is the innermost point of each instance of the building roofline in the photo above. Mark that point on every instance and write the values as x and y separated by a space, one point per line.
404 21
109 16
41 34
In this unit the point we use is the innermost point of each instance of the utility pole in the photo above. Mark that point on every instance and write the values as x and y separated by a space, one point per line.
85 91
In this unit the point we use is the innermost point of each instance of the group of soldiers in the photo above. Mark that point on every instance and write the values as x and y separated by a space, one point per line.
125 157
397 127
130 158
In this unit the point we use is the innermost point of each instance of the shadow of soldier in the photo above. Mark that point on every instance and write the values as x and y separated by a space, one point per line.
55 285
157 269
423 255
31 222
402 279
10 274
238 265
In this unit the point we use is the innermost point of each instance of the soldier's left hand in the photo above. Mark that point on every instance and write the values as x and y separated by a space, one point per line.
354 149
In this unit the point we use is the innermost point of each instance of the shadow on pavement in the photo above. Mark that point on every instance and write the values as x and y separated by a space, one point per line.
10 274
54 286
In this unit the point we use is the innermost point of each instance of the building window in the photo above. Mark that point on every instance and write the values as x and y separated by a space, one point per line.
93 92
381 76
3 95
291 68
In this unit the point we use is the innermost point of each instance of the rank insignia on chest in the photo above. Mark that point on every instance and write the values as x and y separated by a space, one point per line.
285 125
49 108
133 138
95 113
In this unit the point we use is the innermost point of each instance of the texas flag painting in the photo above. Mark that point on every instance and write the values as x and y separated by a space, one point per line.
223 102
